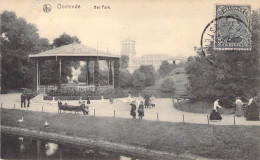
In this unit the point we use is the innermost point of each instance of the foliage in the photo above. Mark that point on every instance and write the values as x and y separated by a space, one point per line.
165 68
96 73
74 94
138 79
144 76
168 85
65 39
110 74
126 79
18 40
50 72
232 74
116 73
29 94
124 61
149 73
83 70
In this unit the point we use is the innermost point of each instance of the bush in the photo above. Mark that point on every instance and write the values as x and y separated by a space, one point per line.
73 94
167 85
126 79
139 79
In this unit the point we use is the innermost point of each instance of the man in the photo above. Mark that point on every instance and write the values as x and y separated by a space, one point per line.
234 27
23 103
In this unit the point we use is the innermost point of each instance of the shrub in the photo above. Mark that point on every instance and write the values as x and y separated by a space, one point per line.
126 79
167 85
139 79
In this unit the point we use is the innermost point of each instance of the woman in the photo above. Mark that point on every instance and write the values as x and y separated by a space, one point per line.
146 101
239 105
252 112
133 110
80 100
215 115
141 110
88 100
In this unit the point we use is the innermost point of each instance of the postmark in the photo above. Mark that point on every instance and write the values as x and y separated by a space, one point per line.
233 29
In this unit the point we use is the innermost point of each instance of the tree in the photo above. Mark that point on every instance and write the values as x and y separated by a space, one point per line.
50 73
65 39
116 73
149 73
232 74
83 71
168 85
124 61
138 79
165 68
18 40
126 79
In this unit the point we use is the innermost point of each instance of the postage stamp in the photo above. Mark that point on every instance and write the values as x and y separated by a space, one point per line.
233 29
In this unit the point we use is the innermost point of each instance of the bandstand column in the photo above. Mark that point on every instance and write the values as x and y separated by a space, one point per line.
116 73
96 73
37 75
87 72
108 66
113 77
34 82
60 74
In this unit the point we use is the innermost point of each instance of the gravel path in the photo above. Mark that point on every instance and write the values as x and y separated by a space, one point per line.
164 108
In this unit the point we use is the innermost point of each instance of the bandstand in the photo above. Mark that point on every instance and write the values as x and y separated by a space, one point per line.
77 52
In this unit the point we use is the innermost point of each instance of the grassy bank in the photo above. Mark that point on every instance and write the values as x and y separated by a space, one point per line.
224 142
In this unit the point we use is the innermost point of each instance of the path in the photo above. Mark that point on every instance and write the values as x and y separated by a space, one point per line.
164 108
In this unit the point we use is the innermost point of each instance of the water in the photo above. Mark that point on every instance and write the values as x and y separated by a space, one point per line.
19 147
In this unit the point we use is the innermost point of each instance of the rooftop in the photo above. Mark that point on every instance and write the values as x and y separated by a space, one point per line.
74 50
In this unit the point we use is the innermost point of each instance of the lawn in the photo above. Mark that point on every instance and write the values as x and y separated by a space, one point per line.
224 142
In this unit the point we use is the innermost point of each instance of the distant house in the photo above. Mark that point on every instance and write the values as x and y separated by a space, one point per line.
128 48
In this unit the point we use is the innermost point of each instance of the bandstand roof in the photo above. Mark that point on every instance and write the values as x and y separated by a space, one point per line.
74 51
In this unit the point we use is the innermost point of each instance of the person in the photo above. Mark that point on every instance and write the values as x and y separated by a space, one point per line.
28 100
23 102
239 107
88 100
234 29
146 101
252 112
85 108
59 102
152 101
111 100
133 110
141 110
80 100
215 115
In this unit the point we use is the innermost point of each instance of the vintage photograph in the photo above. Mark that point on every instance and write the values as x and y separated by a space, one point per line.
130 79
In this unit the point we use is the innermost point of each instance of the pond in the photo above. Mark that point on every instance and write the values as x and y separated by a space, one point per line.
20 147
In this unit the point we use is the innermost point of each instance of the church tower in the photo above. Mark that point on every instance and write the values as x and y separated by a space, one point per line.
128 48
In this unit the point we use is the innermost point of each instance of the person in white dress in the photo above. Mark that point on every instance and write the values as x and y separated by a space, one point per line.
215 115
239 107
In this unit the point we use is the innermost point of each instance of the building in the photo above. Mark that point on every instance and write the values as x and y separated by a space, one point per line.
128 48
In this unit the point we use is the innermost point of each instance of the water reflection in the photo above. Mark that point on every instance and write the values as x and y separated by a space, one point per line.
51 148
17 147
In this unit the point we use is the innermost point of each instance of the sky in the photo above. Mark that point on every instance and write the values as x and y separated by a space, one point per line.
159 27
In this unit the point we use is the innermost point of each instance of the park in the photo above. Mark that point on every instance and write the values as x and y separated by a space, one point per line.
86 100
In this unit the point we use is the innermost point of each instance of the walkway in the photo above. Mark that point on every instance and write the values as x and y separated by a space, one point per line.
164 108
